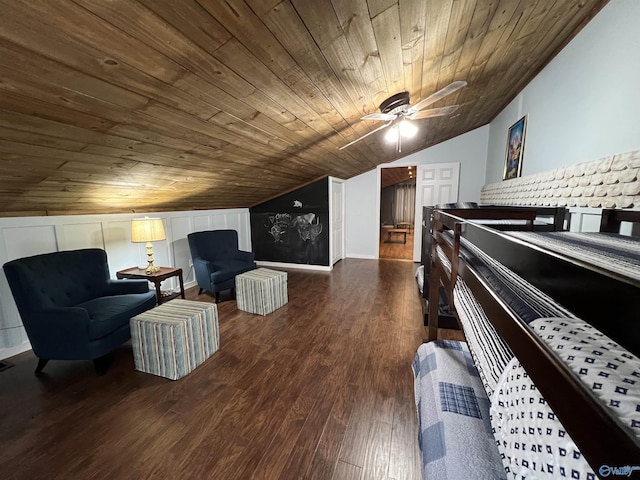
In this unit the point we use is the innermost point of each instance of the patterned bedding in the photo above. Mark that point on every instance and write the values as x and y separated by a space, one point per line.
454 435
524 439
609 251
520 415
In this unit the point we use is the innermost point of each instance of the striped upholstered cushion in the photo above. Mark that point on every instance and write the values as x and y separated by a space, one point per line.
261 291
172 339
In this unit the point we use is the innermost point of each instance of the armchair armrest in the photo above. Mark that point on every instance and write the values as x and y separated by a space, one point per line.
245 256
203 270
205 266
125 286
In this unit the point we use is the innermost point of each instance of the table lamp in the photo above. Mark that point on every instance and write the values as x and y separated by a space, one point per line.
147 230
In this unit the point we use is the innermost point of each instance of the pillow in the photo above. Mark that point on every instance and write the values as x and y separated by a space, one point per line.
532 442
612 372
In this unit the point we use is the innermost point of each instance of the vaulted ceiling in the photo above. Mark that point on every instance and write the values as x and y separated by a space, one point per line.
394 175
156 105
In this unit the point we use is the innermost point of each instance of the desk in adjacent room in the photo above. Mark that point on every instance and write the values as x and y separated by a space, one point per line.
397 231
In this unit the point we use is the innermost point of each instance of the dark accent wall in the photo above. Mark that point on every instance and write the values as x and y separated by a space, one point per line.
294 227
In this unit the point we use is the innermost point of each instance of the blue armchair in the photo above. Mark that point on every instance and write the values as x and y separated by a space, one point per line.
71 309
217 259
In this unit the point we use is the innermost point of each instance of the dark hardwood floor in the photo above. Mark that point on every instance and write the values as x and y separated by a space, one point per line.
321 389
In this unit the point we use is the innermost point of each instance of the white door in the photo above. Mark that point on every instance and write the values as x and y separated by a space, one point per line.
337 221
435 183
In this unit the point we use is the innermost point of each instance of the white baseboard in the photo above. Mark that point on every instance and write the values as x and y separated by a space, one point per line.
187 285
366 257
11 351
299 266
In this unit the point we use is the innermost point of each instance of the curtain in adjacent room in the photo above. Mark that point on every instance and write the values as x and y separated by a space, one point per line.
405 202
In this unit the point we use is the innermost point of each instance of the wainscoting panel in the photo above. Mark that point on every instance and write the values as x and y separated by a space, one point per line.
240 223
585 219
29 240
218 222
74 236
201 222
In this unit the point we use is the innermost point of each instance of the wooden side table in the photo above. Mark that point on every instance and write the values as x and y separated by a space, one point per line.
155 278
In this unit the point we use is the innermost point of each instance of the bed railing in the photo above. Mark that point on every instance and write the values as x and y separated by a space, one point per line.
612 219
528 215
604 299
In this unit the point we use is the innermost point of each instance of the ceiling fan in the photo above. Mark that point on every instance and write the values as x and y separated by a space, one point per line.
396 109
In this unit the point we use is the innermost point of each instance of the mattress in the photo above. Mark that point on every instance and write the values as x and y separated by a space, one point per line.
609 251
513 222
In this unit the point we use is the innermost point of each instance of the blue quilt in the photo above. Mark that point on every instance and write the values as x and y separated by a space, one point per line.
455 435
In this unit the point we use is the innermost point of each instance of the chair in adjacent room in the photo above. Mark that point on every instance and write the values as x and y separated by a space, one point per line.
70 307
217 260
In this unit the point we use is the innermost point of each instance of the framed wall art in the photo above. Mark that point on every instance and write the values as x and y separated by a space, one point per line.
515 149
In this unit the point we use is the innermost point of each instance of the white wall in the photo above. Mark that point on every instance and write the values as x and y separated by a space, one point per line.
25 236
361 228
362 205
585 104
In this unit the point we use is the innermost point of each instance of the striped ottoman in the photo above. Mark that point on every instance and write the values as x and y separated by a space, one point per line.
174 338
261 291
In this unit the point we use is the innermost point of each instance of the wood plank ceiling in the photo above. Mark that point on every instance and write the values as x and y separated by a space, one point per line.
155 105
394 175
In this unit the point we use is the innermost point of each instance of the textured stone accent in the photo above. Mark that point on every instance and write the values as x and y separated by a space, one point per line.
611 182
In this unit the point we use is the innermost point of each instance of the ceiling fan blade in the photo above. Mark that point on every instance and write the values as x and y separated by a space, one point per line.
379 116
434 112
366 135
433 98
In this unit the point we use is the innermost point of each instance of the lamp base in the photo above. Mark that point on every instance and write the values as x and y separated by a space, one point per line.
152 269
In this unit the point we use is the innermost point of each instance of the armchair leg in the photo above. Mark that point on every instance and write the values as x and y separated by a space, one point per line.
200 292
217 297
101 364
41 363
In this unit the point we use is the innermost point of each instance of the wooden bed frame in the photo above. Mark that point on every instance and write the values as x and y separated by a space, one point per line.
528 214
602 298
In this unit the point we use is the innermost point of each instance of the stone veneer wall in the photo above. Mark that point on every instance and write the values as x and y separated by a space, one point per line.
610 182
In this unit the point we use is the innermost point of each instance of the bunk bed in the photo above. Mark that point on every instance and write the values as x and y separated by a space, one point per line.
527 312
539 219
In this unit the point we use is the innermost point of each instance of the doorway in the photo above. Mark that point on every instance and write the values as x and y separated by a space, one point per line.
397 212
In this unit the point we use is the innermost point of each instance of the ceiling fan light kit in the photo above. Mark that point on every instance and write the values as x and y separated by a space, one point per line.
397 110
404 129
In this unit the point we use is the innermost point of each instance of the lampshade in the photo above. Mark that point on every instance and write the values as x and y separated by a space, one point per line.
147 230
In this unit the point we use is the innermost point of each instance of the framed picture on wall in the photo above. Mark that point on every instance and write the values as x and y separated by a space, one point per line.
515 149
